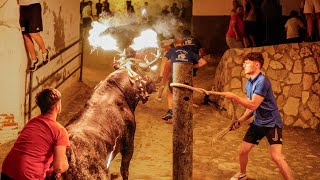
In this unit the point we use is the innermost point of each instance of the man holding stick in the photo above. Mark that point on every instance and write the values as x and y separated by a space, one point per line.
261 104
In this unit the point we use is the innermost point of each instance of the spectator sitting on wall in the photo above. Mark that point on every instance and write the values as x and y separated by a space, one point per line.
41 142
293 27
235 35
31 25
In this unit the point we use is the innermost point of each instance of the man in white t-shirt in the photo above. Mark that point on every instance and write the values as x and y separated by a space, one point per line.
293 26
87 14
31 25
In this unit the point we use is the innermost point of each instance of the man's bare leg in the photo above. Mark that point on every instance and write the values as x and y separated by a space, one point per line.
318 23
39 41
309 18
277 157
30 46
245 148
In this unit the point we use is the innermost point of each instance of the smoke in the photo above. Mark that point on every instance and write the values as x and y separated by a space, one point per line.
168 26
120 28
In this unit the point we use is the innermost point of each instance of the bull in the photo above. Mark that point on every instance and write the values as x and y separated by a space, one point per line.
106 125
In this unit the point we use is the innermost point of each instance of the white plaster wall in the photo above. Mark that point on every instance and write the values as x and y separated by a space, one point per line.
289 5
61 27
13 63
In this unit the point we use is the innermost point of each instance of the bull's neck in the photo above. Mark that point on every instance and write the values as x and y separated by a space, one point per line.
127 88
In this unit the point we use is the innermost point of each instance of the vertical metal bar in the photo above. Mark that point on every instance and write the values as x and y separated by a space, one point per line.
182 123
30 96
81 59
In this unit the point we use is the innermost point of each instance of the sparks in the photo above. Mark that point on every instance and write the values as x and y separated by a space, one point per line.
147 39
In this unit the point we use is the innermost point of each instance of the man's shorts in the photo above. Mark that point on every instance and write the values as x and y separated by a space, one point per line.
31 18
311 6
255 134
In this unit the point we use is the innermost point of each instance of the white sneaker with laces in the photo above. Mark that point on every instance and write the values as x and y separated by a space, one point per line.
239 175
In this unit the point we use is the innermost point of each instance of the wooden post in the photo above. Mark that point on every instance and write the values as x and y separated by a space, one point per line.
182 122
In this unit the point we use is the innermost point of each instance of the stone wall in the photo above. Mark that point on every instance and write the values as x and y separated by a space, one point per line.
294 71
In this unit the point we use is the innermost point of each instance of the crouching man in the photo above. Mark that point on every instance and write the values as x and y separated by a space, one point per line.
41 142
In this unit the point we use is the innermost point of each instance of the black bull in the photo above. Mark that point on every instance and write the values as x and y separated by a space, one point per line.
106 126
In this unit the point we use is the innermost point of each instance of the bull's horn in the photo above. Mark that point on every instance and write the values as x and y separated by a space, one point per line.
157 56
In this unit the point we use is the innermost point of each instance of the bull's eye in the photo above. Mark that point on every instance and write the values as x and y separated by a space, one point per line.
186 98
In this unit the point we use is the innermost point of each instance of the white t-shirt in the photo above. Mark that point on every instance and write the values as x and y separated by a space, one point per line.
28 2
292 27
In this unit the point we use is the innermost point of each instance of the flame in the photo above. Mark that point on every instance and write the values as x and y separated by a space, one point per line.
154 68
98 39
147 39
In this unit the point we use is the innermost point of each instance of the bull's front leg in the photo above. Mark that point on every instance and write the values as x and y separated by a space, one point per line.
127 151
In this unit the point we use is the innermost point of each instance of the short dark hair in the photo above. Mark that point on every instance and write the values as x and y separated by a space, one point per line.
255 56
186 33
294 13
46 98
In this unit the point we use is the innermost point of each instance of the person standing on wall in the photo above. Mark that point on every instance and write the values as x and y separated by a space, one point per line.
41 142
260 104
31 25
311 9
235 35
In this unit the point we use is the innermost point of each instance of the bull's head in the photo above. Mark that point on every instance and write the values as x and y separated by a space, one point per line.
142 73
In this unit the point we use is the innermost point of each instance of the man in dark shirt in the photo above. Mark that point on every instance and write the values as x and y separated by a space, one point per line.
99 8
178 54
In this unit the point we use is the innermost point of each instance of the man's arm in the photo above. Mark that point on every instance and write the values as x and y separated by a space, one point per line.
200 63
60 161
247 114
236 124
252 104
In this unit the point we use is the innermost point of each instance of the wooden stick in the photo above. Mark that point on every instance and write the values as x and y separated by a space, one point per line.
200 90
226 130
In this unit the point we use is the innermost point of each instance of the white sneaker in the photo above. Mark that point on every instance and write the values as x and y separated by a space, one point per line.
239 175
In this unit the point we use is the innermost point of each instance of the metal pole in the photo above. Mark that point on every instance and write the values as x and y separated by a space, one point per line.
81 58
182 123
30 96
